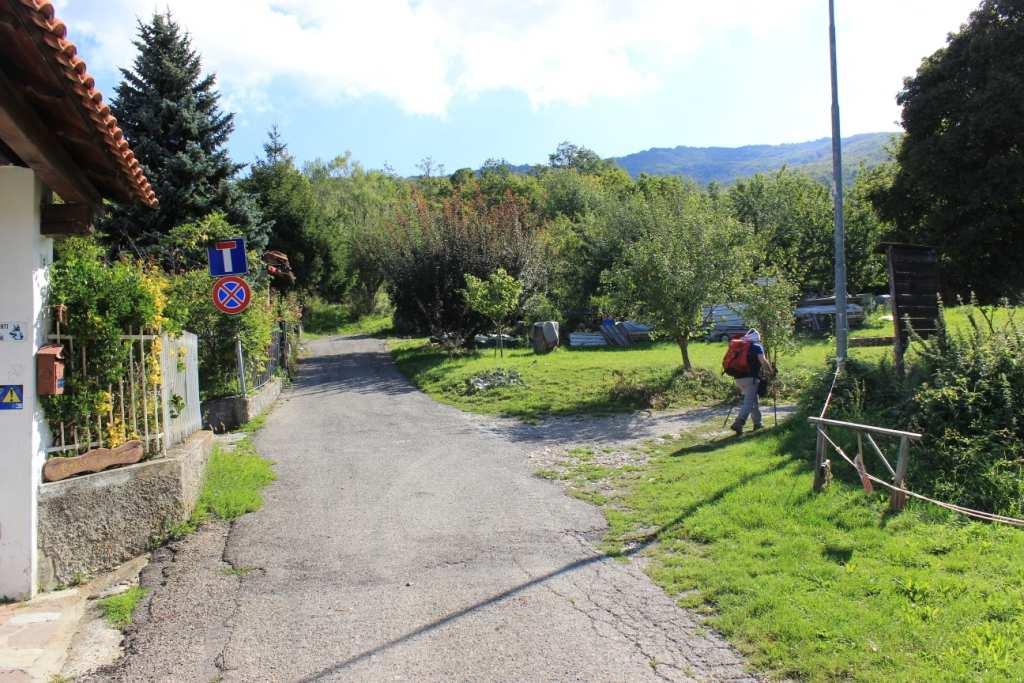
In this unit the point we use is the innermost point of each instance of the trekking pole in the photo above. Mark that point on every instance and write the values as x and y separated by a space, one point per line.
775 402
732 405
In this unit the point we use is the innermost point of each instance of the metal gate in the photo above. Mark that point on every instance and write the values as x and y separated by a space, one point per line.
179 360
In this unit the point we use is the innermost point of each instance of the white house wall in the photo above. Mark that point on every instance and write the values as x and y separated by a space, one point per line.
25 257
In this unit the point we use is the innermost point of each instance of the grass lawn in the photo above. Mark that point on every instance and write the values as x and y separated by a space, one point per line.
818 587
596 380
372 325
606 380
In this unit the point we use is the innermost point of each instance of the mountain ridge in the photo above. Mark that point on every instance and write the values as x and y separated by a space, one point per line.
727 164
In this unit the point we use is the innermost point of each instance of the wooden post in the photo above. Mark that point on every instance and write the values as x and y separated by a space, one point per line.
862 469
821 463
897 323
898 499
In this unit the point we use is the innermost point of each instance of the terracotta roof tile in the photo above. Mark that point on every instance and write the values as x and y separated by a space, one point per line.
65 54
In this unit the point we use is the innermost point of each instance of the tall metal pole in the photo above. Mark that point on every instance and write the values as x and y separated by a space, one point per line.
837 174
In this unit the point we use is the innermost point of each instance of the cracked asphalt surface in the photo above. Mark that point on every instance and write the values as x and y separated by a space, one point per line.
405 540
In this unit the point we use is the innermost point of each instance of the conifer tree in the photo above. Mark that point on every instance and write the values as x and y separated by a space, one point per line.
298 224
169 112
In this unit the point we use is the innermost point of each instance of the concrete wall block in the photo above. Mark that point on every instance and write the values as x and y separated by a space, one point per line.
224 414
262 399
91 524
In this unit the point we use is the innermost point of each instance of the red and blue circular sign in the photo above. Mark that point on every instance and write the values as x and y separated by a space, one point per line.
231 294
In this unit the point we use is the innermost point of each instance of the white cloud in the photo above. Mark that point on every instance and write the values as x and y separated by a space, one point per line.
423 53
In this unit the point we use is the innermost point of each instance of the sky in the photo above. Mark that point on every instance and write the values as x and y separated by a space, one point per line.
462 81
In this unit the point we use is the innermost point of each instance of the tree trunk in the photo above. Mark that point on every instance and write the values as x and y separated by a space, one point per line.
501 342
684 348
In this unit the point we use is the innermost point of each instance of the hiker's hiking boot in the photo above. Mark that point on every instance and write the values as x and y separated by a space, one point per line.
737 427
758 426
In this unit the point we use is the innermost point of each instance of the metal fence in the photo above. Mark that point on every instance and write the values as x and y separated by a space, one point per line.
179 360
158 408
255 380
279 358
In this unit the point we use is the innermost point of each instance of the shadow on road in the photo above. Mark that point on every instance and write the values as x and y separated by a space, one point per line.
636 545
619 427
360 372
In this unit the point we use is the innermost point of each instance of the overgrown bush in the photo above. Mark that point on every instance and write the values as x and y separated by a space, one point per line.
963 393
433 248
538 308
189 305
104 300
971 410
321 317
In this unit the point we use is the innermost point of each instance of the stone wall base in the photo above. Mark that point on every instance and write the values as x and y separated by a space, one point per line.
93 523
225 414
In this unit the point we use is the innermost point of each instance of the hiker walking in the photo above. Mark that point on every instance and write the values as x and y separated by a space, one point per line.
745 361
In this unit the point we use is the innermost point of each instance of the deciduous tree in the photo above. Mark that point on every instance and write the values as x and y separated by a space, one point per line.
960 184
495 298
690 255
298 226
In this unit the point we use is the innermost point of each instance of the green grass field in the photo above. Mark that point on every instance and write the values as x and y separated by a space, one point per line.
607 380
815 587
596 380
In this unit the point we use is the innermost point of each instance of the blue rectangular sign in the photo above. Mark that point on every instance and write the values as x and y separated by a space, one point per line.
12 396
227 257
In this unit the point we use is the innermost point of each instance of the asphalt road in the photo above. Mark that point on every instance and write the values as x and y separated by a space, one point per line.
404 540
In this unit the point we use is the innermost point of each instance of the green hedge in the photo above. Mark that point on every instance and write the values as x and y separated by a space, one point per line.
964 391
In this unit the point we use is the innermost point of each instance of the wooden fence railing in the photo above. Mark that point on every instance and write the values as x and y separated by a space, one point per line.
897 498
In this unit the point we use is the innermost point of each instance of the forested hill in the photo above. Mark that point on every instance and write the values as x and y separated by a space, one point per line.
726 164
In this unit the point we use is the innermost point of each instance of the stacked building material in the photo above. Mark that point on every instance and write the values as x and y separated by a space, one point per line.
587 339
613 335
636 331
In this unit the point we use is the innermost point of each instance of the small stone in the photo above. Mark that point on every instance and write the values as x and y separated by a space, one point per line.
114 590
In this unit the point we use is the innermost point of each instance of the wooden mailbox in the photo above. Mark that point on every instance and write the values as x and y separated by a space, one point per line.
50 370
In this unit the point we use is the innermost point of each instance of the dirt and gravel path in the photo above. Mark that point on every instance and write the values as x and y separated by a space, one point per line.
406 540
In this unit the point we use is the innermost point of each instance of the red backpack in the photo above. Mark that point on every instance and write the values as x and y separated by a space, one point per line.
737 358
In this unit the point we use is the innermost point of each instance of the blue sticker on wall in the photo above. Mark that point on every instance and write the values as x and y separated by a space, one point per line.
12 396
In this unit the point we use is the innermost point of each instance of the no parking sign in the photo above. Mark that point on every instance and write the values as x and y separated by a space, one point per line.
231 294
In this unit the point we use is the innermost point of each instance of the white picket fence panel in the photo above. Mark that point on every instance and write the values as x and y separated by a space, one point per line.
179 360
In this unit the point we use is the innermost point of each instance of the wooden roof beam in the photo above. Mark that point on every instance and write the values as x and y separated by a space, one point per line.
39 149
66 219
8 157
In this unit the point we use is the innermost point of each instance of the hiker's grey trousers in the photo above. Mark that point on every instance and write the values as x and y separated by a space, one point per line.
748 387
